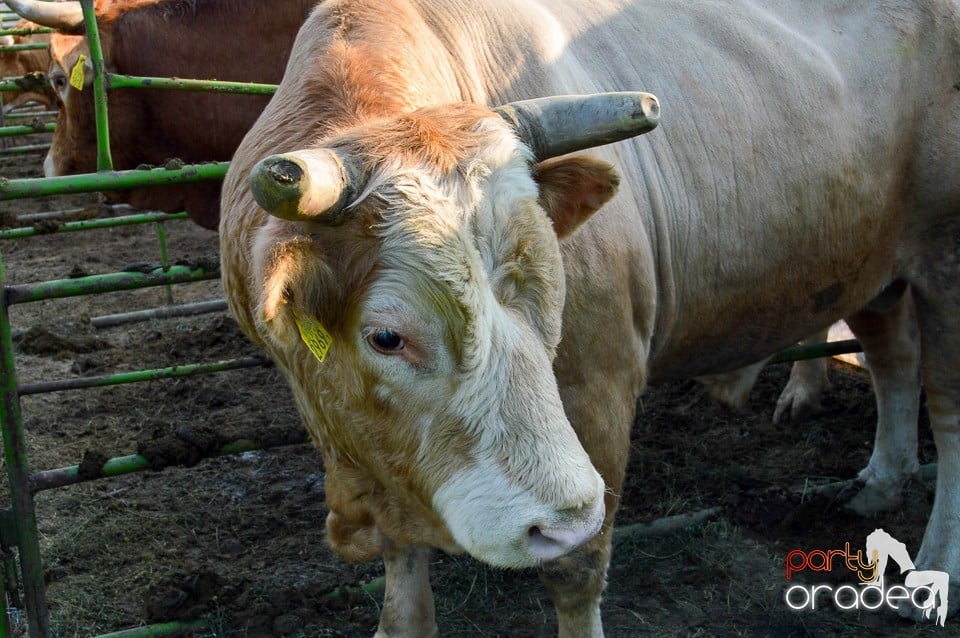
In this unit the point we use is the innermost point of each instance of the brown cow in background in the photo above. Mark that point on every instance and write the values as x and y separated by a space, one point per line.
230 40
23 63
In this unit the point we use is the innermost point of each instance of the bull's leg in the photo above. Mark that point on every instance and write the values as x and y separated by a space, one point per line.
575 583
732 389
891 347
800 398
408 610
602 412
937 300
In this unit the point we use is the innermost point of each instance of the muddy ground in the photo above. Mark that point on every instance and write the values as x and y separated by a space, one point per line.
238 540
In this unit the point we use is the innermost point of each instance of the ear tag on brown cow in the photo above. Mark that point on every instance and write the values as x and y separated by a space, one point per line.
315 336
76 74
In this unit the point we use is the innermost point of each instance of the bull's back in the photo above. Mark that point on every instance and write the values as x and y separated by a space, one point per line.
785 181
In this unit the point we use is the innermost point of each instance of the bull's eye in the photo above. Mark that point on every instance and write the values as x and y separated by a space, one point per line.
384 340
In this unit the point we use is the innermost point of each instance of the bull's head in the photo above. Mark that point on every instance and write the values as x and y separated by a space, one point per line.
410 283
70 72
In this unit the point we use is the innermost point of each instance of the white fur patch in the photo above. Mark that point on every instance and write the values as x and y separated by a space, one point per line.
491 517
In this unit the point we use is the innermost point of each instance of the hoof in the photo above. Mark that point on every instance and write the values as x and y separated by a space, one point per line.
871 500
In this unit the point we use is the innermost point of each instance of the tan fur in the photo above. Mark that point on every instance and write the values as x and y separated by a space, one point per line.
775 198
437 138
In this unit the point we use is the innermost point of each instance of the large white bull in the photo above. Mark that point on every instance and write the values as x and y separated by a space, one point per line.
401 260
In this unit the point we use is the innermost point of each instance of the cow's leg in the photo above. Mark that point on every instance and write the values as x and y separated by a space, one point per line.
602 412
891 348
937 300
732 389
800 398
408 610
575 583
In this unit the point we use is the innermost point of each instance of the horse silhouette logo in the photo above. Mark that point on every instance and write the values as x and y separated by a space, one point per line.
882 547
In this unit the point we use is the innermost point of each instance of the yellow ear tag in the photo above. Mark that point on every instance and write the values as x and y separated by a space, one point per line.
76 74
315 336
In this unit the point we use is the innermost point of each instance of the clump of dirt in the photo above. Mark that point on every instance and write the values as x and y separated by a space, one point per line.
42 341
185 596
188 445
185 447
91 466
46 226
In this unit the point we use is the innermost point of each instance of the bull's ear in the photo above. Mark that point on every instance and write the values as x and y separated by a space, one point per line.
573 188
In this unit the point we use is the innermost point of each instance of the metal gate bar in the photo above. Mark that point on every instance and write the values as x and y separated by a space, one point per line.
92 224
120 465
111 180
137 376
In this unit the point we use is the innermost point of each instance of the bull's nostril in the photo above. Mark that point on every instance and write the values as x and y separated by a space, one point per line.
544 546
551 543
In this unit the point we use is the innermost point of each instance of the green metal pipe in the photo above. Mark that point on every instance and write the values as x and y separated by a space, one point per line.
104 160
60 216
173 628
137 376
63 476
117 81
92 224
60 288
163 312
25 83
30 31
120 465
164 257
31 112
23 149
27 129
131 464
110 180
18 476
817 351
4 621
26 46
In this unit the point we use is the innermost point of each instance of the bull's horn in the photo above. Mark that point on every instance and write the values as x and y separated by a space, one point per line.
63 16
306 185
561 124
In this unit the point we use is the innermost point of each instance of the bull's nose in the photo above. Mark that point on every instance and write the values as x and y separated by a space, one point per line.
557 538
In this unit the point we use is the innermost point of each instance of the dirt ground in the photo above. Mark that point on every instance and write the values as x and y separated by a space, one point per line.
238 540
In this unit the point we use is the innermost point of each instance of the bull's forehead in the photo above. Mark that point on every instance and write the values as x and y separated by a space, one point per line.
469 245
65 50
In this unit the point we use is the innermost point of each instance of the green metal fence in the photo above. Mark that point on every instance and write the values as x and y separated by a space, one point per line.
39 121
18 526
